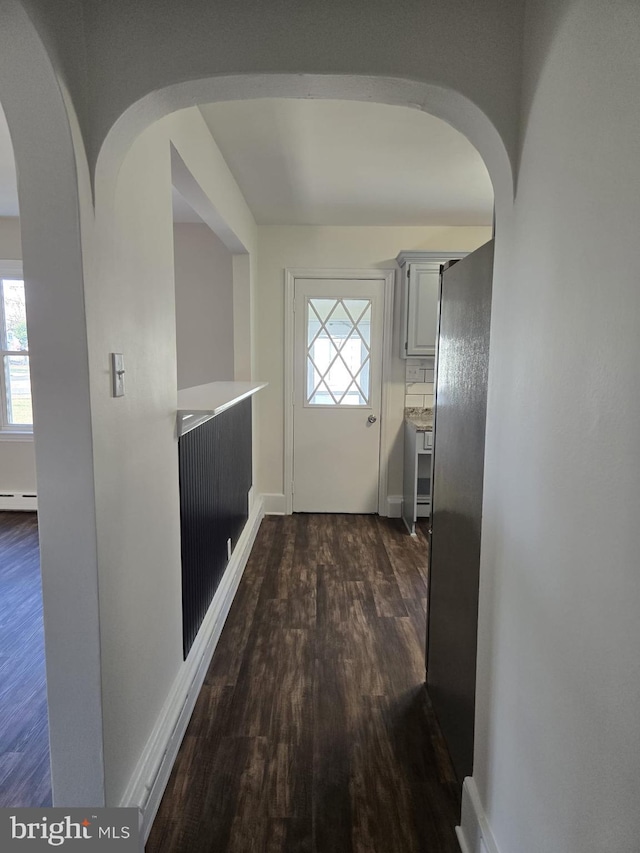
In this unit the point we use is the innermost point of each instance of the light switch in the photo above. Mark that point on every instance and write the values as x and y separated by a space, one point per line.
414 374
117 374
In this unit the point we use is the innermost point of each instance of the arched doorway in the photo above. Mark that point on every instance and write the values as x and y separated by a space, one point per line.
53 251
116 171
40 127
451 106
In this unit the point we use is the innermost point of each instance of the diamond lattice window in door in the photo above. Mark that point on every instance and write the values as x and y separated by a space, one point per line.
338 352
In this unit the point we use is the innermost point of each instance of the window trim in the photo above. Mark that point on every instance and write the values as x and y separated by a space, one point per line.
18 432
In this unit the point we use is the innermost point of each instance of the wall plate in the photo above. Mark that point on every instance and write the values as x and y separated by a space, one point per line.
117 374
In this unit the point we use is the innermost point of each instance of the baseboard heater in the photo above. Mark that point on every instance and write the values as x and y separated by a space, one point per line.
215 478
18 501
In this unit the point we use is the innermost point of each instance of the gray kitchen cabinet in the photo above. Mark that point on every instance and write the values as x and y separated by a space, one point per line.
419 284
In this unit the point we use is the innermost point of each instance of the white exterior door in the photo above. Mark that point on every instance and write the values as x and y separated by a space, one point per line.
337 394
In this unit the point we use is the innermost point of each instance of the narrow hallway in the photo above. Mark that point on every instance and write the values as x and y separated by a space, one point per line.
313 731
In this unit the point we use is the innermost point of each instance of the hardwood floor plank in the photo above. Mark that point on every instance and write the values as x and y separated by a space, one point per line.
332 817
408 567
314 733
238 627
382 818
434 797
388 599
24 730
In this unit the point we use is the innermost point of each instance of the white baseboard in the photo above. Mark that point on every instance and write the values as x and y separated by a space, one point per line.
462 843
474 833
274 504
18 501
394 506
149 779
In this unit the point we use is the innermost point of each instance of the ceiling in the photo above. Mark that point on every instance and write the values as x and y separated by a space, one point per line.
318 162
323 162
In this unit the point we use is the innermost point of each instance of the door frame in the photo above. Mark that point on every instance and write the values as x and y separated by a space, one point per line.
387 277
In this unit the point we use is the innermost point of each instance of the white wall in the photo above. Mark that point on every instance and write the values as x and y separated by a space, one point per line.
17 459
130 303
49 161
136 454
10 245
336 247
558 728
557 724
225 205
140 48
17 466
204 305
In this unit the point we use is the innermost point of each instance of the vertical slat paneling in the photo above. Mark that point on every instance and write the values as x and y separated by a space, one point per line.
215 478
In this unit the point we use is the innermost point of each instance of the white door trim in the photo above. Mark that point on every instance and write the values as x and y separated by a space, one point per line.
387 276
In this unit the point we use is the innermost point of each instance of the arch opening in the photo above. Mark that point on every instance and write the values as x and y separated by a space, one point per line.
450 106
120 182
40 125
52 246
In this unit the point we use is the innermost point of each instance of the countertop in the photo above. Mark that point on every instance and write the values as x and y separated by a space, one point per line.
420 419
203 402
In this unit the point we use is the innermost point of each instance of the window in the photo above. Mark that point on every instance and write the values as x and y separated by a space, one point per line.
15 380
338 356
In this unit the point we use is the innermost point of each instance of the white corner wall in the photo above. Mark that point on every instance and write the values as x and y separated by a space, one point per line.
130 303
135 453
138 48
17 466
280 247
17 459
52 196
204 305
557 724
10 243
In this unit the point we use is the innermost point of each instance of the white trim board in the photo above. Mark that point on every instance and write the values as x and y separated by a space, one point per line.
18 501
274 504
474 833
387 276
394 506
150 777
16 435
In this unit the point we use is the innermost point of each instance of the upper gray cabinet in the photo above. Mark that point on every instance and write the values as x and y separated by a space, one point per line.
420 285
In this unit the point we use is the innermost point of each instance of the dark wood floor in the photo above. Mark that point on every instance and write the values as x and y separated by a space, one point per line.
313 731
24 735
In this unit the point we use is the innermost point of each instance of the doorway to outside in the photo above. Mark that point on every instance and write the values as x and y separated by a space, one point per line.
338 331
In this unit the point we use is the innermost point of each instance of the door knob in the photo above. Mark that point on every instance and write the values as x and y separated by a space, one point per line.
372 419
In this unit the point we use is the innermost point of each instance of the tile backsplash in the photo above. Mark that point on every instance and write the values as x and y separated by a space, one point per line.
419 382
